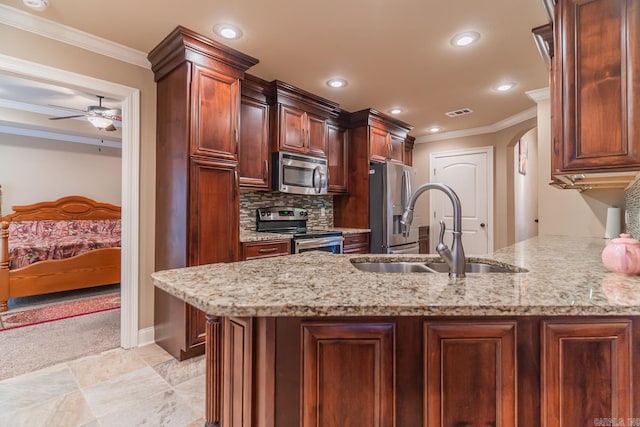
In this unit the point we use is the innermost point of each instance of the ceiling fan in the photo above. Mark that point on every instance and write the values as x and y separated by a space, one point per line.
100 117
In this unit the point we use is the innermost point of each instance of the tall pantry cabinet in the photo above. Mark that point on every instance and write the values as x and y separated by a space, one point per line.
197 188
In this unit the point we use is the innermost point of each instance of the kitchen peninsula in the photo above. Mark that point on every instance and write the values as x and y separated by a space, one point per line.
310 340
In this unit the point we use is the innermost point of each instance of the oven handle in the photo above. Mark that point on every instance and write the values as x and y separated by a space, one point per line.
315 243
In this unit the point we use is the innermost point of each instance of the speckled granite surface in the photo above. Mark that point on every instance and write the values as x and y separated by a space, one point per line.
566 277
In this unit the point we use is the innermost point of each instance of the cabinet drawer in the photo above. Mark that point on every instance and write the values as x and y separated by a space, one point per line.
264 250
356 243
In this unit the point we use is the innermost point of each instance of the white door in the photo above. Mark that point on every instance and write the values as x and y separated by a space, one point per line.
470 174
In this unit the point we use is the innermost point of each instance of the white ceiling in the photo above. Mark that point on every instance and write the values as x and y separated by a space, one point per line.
392 52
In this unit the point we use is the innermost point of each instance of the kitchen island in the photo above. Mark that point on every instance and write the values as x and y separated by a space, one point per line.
310 340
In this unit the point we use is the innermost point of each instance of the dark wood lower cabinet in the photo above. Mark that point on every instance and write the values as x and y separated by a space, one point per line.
587 373
470 374
422 372
347 374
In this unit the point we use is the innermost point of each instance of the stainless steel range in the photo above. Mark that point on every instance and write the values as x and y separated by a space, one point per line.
290 220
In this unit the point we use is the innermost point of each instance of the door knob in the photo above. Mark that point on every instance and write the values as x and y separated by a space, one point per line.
482 224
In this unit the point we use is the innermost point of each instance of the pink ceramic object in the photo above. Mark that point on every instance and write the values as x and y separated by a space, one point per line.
622 255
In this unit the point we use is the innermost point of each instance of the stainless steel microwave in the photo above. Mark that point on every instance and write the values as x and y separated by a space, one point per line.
299 174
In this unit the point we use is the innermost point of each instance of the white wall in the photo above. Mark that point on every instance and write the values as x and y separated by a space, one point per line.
526 188
34 170
567 212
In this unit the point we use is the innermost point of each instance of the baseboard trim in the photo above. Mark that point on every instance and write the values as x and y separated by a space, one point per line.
146 336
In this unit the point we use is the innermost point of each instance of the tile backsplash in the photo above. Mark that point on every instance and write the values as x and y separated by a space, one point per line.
250 201
632 209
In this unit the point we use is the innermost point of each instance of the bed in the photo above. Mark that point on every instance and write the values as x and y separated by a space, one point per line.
65 244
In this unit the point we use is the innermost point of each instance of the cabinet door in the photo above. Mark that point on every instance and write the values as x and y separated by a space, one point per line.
470 374
215 102
600 76
586 373
337 158
348 374
316 130
396 149
196 327
378 144
253 152
292 129
213 213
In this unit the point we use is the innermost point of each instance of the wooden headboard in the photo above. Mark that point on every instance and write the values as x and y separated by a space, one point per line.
70 207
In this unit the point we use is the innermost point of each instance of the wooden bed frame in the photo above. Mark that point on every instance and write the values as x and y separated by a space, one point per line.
94 268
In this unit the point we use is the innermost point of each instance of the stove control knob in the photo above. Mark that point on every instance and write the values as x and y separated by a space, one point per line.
303 213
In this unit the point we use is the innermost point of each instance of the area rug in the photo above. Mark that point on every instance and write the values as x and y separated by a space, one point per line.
57 311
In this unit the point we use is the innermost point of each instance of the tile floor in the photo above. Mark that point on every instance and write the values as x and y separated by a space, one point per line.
138 387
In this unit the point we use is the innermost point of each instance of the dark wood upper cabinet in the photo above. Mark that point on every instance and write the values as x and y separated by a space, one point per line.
216 98
337 157
197 189
595 94
254 162
300 120
408 150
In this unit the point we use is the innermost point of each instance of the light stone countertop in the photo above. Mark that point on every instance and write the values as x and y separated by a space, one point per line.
566 277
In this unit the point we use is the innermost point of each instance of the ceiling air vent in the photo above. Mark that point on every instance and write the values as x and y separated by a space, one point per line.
460 112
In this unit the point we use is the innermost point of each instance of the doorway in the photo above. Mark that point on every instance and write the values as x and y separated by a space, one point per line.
469 173
130 98
525 186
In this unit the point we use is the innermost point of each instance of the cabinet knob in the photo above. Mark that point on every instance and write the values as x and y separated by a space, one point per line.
482 225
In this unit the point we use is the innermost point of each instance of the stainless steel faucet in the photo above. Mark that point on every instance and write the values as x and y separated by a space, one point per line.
454 257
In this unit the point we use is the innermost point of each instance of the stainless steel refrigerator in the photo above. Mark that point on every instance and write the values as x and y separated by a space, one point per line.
390 187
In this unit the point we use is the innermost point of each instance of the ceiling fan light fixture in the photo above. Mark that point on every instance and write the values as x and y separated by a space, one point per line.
100 122
228 31
38 5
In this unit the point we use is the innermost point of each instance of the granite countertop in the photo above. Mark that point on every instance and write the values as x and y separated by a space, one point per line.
565 277
257 236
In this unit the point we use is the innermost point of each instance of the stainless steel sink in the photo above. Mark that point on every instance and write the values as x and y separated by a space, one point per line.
393 267
431 267
474 267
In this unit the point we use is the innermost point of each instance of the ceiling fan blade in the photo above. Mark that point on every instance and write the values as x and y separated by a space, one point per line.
66 117
67 108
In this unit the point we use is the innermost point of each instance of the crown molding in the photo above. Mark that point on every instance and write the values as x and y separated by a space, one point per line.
496 127
44 27
539 95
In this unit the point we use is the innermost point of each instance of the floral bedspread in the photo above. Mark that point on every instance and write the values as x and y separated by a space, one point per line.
33 241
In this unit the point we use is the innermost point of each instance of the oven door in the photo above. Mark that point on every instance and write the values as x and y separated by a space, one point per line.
327 244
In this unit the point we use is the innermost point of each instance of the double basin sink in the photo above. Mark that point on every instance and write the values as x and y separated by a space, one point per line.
432 267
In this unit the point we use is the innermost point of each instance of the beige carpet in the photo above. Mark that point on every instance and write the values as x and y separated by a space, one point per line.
34 347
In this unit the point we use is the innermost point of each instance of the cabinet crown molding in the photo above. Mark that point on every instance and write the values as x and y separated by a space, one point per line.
288 94
183 44
371 117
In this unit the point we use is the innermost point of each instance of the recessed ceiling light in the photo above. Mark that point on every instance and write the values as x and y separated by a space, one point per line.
434 129
336 83
38 5
396 110
504 86
465 39
228 31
